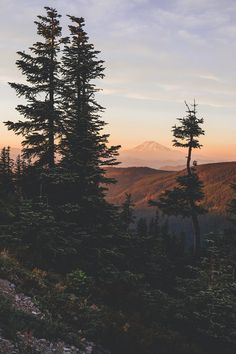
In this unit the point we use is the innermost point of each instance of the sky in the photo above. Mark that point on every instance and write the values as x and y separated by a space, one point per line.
158 53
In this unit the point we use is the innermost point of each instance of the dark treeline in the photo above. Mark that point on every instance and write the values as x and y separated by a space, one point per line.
132 290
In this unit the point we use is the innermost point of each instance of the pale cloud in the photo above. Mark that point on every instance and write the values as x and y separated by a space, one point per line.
209 77
199 6
191 37
227 33
157 53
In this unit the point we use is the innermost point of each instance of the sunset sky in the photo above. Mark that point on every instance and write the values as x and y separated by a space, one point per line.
157 53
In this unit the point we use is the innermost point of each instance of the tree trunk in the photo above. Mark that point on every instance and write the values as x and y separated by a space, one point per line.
196 233
51 148
189 157
195 221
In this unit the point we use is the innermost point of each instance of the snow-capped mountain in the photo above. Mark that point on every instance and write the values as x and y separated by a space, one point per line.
150 146
152 154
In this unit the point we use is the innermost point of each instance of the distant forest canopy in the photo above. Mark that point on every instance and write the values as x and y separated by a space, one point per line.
95 277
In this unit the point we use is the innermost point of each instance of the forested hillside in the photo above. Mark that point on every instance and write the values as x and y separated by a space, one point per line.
76 275
146 183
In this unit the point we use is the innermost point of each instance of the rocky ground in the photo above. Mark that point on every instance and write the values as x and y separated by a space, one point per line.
25 342
19 300
31 345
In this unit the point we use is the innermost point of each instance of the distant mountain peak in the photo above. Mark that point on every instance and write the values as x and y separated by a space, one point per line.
152 154
150 146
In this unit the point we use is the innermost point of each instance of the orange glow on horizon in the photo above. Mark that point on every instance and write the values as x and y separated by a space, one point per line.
210 150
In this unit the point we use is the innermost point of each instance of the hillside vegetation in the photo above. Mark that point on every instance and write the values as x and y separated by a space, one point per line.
145 183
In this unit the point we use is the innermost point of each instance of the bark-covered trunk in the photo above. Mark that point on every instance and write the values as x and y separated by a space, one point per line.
196 233
51 147
194 216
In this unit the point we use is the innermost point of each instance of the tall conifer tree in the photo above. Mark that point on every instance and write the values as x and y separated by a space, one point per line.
6 171
40 68
232 205
83 145
185 199
127 216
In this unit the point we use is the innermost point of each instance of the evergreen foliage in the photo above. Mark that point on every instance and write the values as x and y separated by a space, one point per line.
232 206
40 68
83 146
207 305
127 216
35 236
7 186
6 171
185 198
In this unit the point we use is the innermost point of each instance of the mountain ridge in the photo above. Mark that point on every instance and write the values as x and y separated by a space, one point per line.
147 183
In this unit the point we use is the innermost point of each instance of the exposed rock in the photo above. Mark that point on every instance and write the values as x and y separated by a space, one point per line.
39 346
7 347
7 288
19 301
26 342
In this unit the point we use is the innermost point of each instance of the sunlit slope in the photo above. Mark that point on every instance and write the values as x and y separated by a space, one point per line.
146 183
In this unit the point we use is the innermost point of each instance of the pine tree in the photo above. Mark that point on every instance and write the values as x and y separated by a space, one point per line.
127 212
188 132
83 146
6 171
19 168
7 188
206 297
232 206
185 198
154 225
37 238
40 68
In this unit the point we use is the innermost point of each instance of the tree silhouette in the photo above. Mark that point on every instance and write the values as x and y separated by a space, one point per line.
184 199
232 205
40 69
83 145
127 212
